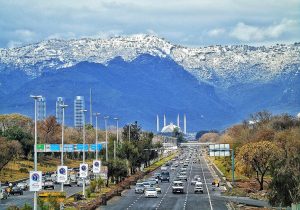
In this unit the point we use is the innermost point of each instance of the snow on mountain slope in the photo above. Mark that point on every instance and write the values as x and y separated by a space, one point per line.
221 66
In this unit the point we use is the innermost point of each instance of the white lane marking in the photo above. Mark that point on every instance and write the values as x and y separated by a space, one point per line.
206 184
134 201
187 189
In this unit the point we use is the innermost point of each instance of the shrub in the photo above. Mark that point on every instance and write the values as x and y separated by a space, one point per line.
23 170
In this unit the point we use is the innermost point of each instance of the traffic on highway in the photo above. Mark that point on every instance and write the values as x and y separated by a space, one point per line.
186 182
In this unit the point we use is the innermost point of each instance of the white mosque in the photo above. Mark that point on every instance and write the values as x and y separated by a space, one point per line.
171 127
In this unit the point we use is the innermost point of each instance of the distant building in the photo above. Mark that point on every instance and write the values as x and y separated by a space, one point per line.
170 128
78 114
41 109
59 111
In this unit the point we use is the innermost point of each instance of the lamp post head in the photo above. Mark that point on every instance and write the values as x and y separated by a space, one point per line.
63 105
36 97
116 118
106 117
96 114
83 110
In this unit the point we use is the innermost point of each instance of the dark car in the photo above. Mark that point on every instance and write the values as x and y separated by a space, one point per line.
165 176
16 190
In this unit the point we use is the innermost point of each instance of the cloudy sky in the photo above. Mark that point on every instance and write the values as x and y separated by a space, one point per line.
185 22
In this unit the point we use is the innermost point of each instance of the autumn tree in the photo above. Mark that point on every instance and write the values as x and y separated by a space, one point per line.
49 130
10 149
255 158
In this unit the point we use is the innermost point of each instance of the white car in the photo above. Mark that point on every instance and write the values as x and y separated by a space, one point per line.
157 188
151 192
198 187
196 179
80 182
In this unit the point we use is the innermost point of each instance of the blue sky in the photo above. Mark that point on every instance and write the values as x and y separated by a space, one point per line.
184 22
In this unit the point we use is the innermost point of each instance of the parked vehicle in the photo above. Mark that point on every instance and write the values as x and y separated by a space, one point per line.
150 192
16 190
139 188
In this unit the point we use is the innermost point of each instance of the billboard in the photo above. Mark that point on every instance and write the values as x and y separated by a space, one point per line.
62 174
96 166
83 170
35 181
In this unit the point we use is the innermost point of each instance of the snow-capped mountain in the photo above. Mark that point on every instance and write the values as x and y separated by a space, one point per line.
140 76
221 66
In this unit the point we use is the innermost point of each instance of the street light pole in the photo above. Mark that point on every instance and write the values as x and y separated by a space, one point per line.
83 155
129 131
97 114
35 144
106 138
117 119
63 106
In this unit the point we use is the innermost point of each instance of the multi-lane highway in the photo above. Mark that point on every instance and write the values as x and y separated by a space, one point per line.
209 200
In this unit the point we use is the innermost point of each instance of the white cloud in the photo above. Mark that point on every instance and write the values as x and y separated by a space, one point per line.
248 33
216 32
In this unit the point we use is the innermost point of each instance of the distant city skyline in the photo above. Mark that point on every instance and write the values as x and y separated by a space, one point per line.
189 23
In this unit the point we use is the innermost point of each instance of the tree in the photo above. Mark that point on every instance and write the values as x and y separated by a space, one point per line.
49 130
26 139
255 158
10 149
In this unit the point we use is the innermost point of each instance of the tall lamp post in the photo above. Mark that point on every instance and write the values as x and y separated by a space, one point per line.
106 138
63 106
97 114
129 131
35 144
117 119
83 155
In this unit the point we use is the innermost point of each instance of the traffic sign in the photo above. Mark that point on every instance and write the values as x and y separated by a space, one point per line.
219 150
54 147
40 147
93 147
68 148
35 181
80 147
96 166
62 174
83 170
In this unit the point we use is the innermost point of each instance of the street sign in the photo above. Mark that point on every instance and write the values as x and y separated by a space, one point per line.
35 181
93 147
68 148
62 174
40 147
54 147
219 150
96 166
83 170
80 147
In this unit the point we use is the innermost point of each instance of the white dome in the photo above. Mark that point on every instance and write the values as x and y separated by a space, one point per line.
169 128
298 115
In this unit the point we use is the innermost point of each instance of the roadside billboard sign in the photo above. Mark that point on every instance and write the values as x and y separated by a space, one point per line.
83 170
81 147
103 172
93 147
35 181
96 166
68 147
62 174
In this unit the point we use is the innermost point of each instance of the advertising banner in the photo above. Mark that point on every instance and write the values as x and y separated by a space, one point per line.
83 170
62 174
96 166
35 181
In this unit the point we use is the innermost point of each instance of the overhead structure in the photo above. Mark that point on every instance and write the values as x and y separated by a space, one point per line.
178 121
165 121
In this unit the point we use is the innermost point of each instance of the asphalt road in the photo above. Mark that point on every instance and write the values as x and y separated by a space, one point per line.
27 197
209 200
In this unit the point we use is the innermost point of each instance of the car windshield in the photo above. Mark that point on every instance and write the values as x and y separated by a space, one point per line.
151 189
146 183
139 185
178 184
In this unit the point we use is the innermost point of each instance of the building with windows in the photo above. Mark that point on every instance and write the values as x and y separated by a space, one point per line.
41 109
78 114
59 111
